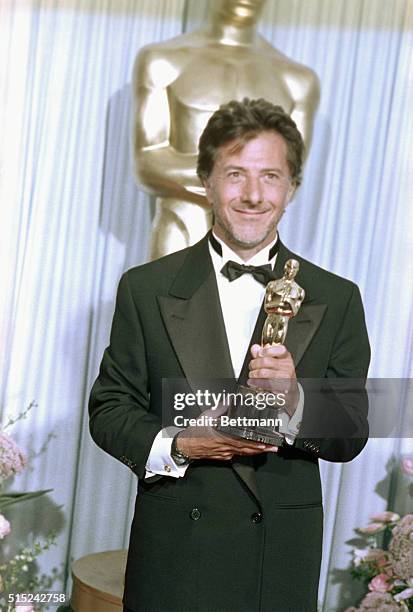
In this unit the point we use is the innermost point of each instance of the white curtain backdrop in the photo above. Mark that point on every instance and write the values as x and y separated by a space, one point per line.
72 220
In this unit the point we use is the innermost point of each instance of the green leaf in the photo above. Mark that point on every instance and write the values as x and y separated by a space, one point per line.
8 499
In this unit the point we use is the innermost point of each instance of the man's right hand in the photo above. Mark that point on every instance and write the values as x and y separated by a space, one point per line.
208 443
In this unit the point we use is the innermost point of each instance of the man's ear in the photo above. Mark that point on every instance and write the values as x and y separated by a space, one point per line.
208 191
291 192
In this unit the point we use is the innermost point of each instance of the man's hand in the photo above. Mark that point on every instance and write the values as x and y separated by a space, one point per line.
272 369
207 443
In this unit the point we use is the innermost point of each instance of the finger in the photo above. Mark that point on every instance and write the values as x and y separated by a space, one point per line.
244 446
222 457
271 386
268 373
231 442
248 452
255 349
275 350
258 447
244 442
267 362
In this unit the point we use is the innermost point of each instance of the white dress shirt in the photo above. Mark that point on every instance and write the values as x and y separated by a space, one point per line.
241 301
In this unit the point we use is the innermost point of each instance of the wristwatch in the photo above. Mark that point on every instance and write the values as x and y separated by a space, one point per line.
178 456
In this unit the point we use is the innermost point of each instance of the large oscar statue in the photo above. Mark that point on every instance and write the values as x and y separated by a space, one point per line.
252 415
178 84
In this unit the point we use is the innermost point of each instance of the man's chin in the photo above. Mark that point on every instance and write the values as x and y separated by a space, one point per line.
245 239
250 242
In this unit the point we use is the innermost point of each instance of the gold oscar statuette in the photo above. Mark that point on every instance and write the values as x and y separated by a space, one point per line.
283 298
251 417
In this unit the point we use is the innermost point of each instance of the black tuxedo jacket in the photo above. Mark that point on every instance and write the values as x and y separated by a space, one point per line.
244 535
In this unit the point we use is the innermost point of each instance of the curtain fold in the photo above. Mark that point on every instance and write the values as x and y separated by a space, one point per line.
73 220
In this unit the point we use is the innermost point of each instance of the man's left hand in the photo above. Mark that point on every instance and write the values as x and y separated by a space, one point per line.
272 369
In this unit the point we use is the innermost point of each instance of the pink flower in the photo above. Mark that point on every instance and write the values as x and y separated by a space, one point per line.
371 529
4 527
28 608
386 517
380 584
406 465
12 460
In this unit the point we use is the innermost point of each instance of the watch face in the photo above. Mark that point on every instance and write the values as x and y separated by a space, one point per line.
179 458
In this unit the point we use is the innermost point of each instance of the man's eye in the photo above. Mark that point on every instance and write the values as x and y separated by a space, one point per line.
272 176
235 176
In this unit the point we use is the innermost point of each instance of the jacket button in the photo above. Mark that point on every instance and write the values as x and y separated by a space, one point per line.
195 514
256 517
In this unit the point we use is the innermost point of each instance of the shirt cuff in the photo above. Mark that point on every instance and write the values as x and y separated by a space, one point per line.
159 460
291 426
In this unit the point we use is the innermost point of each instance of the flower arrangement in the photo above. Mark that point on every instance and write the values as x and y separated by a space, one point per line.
386 564
18 573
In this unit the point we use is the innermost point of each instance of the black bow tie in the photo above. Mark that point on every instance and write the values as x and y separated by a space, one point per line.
263 274
232 270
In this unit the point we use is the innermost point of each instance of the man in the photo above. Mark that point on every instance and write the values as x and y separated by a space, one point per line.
221 523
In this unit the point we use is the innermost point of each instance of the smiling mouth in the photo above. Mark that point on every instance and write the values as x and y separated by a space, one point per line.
252 213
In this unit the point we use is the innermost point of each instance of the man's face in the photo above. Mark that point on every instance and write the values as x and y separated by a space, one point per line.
249 190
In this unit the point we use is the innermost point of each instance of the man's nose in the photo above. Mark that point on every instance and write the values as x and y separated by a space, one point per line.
253 190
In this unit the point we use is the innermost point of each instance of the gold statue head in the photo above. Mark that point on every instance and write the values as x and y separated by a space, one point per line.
291 268
239 12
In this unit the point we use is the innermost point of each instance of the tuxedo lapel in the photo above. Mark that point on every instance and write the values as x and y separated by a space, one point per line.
302 328
193 318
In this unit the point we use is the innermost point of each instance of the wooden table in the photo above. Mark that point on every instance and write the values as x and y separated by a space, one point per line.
98 582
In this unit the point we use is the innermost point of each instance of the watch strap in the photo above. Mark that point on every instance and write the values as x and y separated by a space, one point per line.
178 456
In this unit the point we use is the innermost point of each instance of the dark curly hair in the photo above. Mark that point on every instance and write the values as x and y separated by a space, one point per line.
243 121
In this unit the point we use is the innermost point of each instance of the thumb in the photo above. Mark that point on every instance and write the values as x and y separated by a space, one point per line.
255 349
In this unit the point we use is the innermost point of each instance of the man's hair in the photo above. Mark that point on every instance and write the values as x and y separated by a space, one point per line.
242 121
